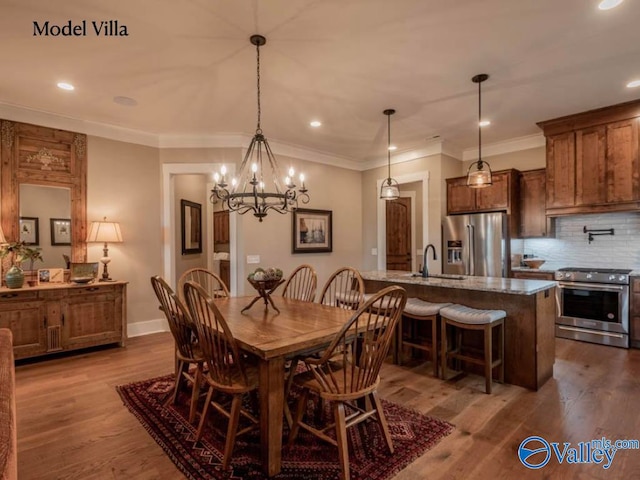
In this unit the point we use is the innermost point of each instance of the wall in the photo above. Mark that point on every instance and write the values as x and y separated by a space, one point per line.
194 189
523 160
571 247
123 184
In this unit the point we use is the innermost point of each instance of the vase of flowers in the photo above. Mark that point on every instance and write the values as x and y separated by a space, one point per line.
19 252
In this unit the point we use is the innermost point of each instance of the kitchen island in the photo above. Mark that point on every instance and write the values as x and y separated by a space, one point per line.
530 306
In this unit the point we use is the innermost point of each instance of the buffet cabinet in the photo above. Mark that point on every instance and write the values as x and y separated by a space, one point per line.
55 318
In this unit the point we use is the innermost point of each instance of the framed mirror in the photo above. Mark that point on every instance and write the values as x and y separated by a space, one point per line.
43 175
191 227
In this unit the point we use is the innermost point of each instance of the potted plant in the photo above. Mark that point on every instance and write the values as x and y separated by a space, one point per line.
19 252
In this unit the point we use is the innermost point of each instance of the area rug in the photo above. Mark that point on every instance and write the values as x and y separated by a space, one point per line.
308 459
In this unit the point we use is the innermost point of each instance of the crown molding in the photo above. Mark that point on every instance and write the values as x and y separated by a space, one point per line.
508 146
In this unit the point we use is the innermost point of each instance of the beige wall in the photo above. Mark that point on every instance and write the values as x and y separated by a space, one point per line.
123 184
194 189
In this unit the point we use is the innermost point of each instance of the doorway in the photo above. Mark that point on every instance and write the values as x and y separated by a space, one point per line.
399 234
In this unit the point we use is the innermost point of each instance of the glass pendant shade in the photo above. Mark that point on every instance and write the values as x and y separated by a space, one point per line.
389 190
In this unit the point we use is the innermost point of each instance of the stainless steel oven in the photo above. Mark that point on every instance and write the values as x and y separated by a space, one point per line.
593 305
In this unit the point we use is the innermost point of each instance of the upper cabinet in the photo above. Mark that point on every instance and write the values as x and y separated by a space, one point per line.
221 227
592 161
501 196
533 218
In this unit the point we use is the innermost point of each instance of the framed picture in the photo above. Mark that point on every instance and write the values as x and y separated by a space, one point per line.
191 227
30 230
50 275
83 272
312 231
60 231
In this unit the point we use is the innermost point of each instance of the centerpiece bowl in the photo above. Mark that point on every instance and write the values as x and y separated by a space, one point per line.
265 282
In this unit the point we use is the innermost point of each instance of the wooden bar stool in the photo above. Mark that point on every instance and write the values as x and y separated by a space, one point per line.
418 311
465 318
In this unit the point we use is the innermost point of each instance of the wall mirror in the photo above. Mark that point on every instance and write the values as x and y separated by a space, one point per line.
44 204
191 227
43 176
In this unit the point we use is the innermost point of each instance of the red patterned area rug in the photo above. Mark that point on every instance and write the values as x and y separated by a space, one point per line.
309 458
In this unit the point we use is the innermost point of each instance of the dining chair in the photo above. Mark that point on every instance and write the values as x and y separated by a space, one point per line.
345 289
187 350
211 282
301 284
347 374
228 371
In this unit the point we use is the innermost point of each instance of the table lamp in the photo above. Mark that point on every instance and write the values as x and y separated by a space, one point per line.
107 232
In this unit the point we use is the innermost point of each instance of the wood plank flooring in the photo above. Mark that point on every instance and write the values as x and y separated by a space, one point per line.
72 424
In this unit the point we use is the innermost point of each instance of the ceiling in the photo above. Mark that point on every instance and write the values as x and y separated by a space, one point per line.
192 71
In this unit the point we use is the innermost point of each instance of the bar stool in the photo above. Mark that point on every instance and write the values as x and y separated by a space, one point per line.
417 311
465 318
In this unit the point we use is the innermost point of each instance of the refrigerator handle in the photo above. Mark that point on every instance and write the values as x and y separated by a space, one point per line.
470 264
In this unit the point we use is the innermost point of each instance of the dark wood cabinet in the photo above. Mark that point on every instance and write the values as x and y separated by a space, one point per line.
533 219
225 272
532 275
221 227
54 318
593 162
501 196
634 313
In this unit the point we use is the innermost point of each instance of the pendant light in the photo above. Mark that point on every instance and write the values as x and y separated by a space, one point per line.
389 189
481 176
258 188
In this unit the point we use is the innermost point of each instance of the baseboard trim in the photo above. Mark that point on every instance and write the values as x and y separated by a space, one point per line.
148 327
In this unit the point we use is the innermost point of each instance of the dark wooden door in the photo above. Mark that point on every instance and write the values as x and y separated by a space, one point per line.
399 234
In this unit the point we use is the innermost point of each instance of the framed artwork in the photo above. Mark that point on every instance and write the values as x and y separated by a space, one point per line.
83 272
191 227
50 275
60 231
30 230
312 231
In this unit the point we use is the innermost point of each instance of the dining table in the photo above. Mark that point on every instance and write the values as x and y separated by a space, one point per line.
275 337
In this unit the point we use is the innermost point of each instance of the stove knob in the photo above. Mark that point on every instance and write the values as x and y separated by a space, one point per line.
589 276
567 275
622 278
613 277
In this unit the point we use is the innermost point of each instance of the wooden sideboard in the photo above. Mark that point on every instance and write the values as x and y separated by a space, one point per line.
55 318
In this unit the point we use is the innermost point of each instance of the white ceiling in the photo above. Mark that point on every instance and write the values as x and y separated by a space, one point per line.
191 69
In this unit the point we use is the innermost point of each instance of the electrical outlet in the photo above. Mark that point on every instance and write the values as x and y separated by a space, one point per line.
374 251
253 258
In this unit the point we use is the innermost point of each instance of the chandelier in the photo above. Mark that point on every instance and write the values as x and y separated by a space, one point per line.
389 189
258 188
479 178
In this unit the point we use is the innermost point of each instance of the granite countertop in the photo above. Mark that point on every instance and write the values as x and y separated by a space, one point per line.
486 284
543 269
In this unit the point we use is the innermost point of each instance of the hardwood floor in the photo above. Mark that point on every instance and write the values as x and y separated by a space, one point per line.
72 424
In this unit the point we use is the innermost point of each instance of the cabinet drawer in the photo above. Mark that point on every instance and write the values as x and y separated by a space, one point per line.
92 290
533 275
18 296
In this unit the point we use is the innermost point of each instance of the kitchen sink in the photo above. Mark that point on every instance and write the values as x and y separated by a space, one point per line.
443 276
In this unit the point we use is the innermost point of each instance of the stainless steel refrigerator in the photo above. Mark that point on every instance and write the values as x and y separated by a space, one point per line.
476 244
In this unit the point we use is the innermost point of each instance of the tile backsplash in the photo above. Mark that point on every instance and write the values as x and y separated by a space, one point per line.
571 247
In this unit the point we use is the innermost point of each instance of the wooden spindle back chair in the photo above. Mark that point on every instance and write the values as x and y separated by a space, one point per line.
301 284
345 289
211 282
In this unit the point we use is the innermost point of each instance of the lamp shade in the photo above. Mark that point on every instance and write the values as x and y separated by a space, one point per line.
106 232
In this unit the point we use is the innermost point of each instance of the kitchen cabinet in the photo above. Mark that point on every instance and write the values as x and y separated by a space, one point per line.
532 275
62 317
225 272
221 227
533 218
501 196
634 313
593 164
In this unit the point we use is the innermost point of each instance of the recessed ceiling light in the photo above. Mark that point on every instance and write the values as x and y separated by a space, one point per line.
126 101
392 148
485 123
633 84
315 123
66 86
609 4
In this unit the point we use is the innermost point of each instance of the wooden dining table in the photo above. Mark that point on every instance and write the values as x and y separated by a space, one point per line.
274 337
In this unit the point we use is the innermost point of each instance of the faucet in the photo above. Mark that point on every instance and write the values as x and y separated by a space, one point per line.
425 270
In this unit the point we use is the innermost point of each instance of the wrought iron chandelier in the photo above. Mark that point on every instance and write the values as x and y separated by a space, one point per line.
249 192
480 177
389 189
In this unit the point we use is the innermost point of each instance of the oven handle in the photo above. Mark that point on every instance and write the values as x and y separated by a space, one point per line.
585 330
593 286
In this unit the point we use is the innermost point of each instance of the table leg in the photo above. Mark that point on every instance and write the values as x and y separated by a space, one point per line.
271 389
